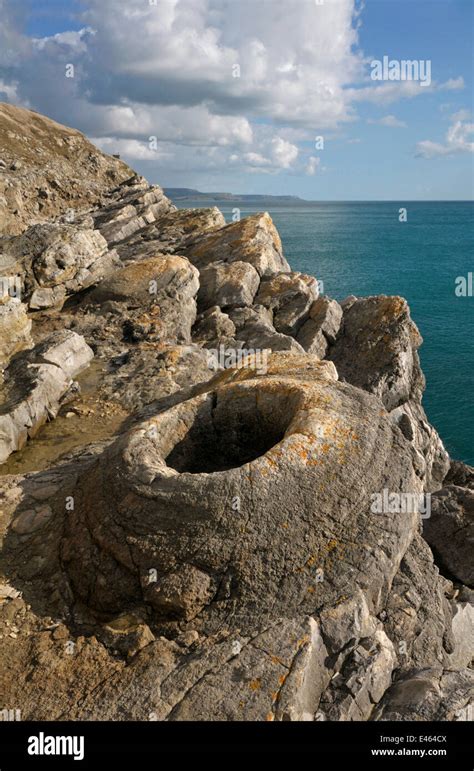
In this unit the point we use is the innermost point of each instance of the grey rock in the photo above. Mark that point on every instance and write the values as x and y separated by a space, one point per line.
212 327
322 327
35 383
203 443
362 681
254 327
254 240
289 296
163 288
431 456
15 328
429 694
450 531
377 351
463 634
223 284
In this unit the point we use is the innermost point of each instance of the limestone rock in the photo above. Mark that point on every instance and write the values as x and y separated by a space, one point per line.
56 170
377 350
431 456
450 531
61 258
227 285
254 240
429 694
15 328
212 327
171 233
289 296
166 284
35 383
463 634
302 424
253 326
132 208
322 327
362 681
418 613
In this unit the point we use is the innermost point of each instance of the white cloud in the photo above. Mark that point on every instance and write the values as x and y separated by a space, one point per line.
167 70
453 84
312 165
456 141
388 120
283 153
130 148
461 115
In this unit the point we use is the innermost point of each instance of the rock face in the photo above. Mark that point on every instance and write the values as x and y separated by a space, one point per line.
49 170
34 385
253 541
377 351
15 328
450 531
54 260
228 442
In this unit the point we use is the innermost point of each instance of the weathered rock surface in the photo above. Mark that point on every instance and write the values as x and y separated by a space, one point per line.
254 240
203 443
217 555
227 285
377 351
429 694
172 233
49 170
163 290
289 297
15 328
322 327
450 531
56 259
34 385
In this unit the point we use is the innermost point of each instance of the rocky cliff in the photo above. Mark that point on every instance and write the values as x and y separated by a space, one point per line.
221 498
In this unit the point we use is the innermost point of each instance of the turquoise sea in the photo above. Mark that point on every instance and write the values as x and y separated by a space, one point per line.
362 249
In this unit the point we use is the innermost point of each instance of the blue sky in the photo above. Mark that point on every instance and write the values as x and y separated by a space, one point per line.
155 81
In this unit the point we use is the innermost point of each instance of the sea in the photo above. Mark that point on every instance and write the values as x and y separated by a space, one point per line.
368 248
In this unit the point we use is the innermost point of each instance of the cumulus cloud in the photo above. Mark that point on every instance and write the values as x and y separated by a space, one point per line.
456 141
213 82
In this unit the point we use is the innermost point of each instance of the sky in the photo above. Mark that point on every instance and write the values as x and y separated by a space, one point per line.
258 96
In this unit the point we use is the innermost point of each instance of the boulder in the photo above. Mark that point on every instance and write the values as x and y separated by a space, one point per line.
289 296
253 326
164 284
61 258
227 284
430 694
213 327
377 351
252 445
450 531
322 327
254 240
35 383
15 328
